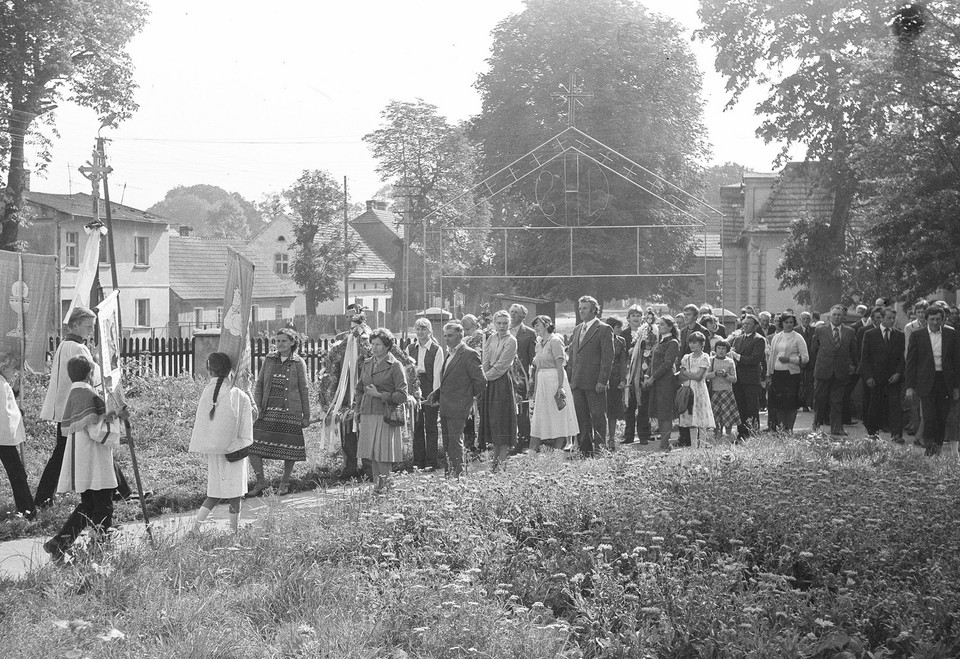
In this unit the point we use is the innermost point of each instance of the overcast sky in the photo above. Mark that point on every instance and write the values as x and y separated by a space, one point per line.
246 94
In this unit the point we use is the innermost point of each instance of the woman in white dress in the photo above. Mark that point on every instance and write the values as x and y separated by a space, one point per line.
693 370
550 425
223 425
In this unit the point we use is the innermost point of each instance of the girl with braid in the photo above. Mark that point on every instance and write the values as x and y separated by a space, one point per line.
223 426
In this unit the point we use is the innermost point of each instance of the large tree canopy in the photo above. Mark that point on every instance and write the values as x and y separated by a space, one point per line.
646 104
211 211
320 256
807 56
430 164
56 49
911 171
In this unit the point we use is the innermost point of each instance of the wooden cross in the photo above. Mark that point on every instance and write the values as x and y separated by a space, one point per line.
573 98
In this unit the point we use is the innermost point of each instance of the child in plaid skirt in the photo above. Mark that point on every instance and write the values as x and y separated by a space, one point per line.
721 375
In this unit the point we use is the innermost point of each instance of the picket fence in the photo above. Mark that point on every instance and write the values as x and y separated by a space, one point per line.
174 356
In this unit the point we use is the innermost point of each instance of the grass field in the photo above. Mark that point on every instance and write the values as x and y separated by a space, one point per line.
787 547
163 411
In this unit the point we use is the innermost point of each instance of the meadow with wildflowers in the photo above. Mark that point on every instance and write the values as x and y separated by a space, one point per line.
785 547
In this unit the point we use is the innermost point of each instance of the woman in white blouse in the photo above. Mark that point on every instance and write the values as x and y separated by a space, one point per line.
787 356
551 425
498 407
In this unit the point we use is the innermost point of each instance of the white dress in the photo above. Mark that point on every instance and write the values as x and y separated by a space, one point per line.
702 415
230 429
549 422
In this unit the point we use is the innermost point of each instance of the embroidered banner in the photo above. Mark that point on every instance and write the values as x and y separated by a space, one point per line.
28 291
237 300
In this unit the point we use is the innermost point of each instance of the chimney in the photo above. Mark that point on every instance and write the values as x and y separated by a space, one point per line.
185 230
376 205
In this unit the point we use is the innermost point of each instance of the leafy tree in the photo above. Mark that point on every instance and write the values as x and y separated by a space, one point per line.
211 211
320 257
51 50
808 58
646 104
911 170
429 162
715 177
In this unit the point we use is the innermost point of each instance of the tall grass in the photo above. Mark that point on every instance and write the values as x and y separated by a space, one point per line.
786 548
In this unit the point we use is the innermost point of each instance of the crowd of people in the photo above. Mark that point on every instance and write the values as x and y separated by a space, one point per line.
509 386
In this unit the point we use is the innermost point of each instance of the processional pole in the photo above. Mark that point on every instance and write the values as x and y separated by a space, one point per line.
124 413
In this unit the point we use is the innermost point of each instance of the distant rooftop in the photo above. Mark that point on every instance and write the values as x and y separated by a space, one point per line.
81 205
198 270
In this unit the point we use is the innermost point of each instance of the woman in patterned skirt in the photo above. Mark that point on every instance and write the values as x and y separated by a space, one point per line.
283 407
498 406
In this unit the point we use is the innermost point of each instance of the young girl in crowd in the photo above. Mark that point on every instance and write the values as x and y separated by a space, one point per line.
223 425
721 376
88 469
693 371
12 434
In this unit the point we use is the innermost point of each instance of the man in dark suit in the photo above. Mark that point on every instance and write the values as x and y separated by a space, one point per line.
461 379
526 349
591 358
834 351
617 383
881 369
873 319
863 323
749 351
691 317
933 374
806 387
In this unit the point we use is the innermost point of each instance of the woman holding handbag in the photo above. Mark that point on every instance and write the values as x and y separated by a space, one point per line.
787 356
382 392
223 430
554 419
698 417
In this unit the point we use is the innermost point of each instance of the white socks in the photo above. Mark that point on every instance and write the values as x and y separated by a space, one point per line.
201 516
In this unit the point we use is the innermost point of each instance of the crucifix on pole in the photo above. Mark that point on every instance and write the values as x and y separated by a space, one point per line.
573 98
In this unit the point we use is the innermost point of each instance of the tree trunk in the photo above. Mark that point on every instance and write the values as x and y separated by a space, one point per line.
826 287
13 195
310 300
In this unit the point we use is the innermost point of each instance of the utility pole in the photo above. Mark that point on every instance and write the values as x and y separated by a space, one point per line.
346 252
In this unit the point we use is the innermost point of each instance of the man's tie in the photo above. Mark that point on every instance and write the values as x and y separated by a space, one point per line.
886 336
443 369
836 338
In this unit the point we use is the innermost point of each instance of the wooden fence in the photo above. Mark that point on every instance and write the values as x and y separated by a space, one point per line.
173 357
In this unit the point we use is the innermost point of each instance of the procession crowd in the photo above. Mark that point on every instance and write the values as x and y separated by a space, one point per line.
512 387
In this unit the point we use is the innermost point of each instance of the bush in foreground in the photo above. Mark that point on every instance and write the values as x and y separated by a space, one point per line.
782 549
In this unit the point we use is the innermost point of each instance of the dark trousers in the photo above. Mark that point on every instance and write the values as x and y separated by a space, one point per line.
748 404
50 477
95 509
935 407
349 443
848 398
47 486
426 437
523 425
806 389
637 417
828 394
884 407
591 409
452 431
10 456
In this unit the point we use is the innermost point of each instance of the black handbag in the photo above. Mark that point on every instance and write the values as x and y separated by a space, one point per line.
238 455
393 415
684 400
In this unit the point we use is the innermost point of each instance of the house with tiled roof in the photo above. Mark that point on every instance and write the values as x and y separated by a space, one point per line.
370 284
758 214
141 246
198 279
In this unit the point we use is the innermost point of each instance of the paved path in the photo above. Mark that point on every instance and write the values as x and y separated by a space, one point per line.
18 557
